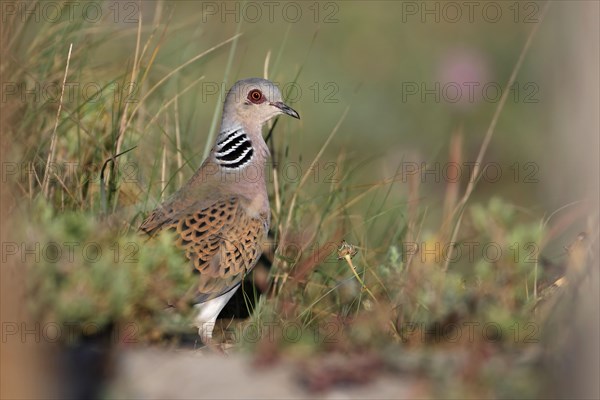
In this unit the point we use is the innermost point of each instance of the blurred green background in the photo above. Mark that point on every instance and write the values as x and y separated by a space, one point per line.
397 65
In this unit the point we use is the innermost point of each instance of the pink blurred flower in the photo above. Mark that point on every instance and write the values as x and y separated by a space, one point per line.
464 78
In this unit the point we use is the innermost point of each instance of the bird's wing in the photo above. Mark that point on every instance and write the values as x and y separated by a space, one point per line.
220 239
157 219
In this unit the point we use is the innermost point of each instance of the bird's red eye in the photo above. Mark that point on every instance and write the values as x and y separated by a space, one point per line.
255 96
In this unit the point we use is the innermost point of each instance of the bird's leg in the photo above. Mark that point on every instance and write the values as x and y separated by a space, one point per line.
205 333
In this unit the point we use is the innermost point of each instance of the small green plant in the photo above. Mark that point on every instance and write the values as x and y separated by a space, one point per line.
91 275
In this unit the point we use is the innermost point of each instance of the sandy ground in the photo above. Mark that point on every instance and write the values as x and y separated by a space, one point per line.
185 374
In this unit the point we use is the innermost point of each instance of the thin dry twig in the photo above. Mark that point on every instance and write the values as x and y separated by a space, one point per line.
174 71
460 208
134 72
52 154
172 100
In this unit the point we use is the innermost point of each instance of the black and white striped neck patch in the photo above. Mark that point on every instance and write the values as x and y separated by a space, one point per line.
234 150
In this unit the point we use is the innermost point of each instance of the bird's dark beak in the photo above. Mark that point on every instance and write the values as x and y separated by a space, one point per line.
286 109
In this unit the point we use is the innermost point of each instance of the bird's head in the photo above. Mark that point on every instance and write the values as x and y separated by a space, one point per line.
256 100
